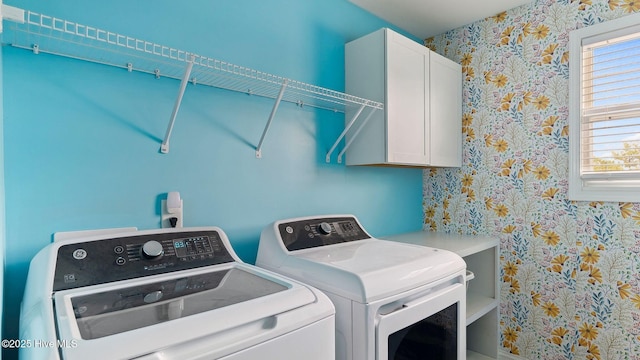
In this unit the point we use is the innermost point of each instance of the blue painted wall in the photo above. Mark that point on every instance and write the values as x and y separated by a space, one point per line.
2 212
81 139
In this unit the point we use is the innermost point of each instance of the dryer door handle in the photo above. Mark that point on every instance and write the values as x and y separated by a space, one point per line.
423 300
424 306
424 297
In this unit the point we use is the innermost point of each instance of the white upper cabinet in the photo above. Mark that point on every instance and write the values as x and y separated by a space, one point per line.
422 92
406 98
445 115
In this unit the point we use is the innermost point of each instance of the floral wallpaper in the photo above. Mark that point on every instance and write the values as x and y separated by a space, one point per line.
569 271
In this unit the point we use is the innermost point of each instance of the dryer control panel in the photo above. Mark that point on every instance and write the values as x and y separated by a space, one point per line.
305 234
108 260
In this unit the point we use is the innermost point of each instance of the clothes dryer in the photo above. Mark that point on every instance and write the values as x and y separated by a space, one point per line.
393 301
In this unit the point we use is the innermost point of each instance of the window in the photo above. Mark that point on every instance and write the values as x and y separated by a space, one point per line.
604 111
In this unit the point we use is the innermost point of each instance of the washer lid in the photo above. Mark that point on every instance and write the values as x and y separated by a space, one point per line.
115 309
368 270
110 312
198 305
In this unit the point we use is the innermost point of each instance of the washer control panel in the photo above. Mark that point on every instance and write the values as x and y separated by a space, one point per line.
108 260
305 234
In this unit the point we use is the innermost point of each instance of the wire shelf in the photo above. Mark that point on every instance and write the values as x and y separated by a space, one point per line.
42 33
46 34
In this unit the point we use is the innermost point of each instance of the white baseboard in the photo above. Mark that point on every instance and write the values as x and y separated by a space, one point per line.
503 355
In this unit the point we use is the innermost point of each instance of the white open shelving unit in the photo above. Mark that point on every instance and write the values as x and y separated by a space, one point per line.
45 34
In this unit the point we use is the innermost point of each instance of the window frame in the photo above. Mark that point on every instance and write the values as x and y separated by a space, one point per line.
610 186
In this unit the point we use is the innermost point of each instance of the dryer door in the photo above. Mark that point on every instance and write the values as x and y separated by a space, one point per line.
432 325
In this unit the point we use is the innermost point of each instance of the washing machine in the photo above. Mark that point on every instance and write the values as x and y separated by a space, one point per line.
167 294
393 301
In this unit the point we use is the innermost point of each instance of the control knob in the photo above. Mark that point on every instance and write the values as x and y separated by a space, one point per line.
152 249
324 228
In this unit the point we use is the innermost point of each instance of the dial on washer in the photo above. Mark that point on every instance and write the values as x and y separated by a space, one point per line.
152 249
324 228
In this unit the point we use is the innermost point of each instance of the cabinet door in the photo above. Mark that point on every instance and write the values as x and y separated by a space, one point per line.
364 77
407 76
445 142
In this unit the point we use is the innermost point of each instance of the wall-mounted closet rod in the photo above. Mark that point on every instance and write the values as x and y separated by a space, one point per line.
344 132
273 113
355 134
164 148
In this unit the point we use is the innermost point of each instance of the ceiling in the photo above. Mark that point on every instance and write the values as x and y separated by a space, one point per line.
426 18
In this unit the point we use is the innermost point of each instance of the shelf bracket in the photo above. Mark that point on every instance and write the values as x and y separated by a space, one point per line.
164 148
355 134
344 132
271 116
